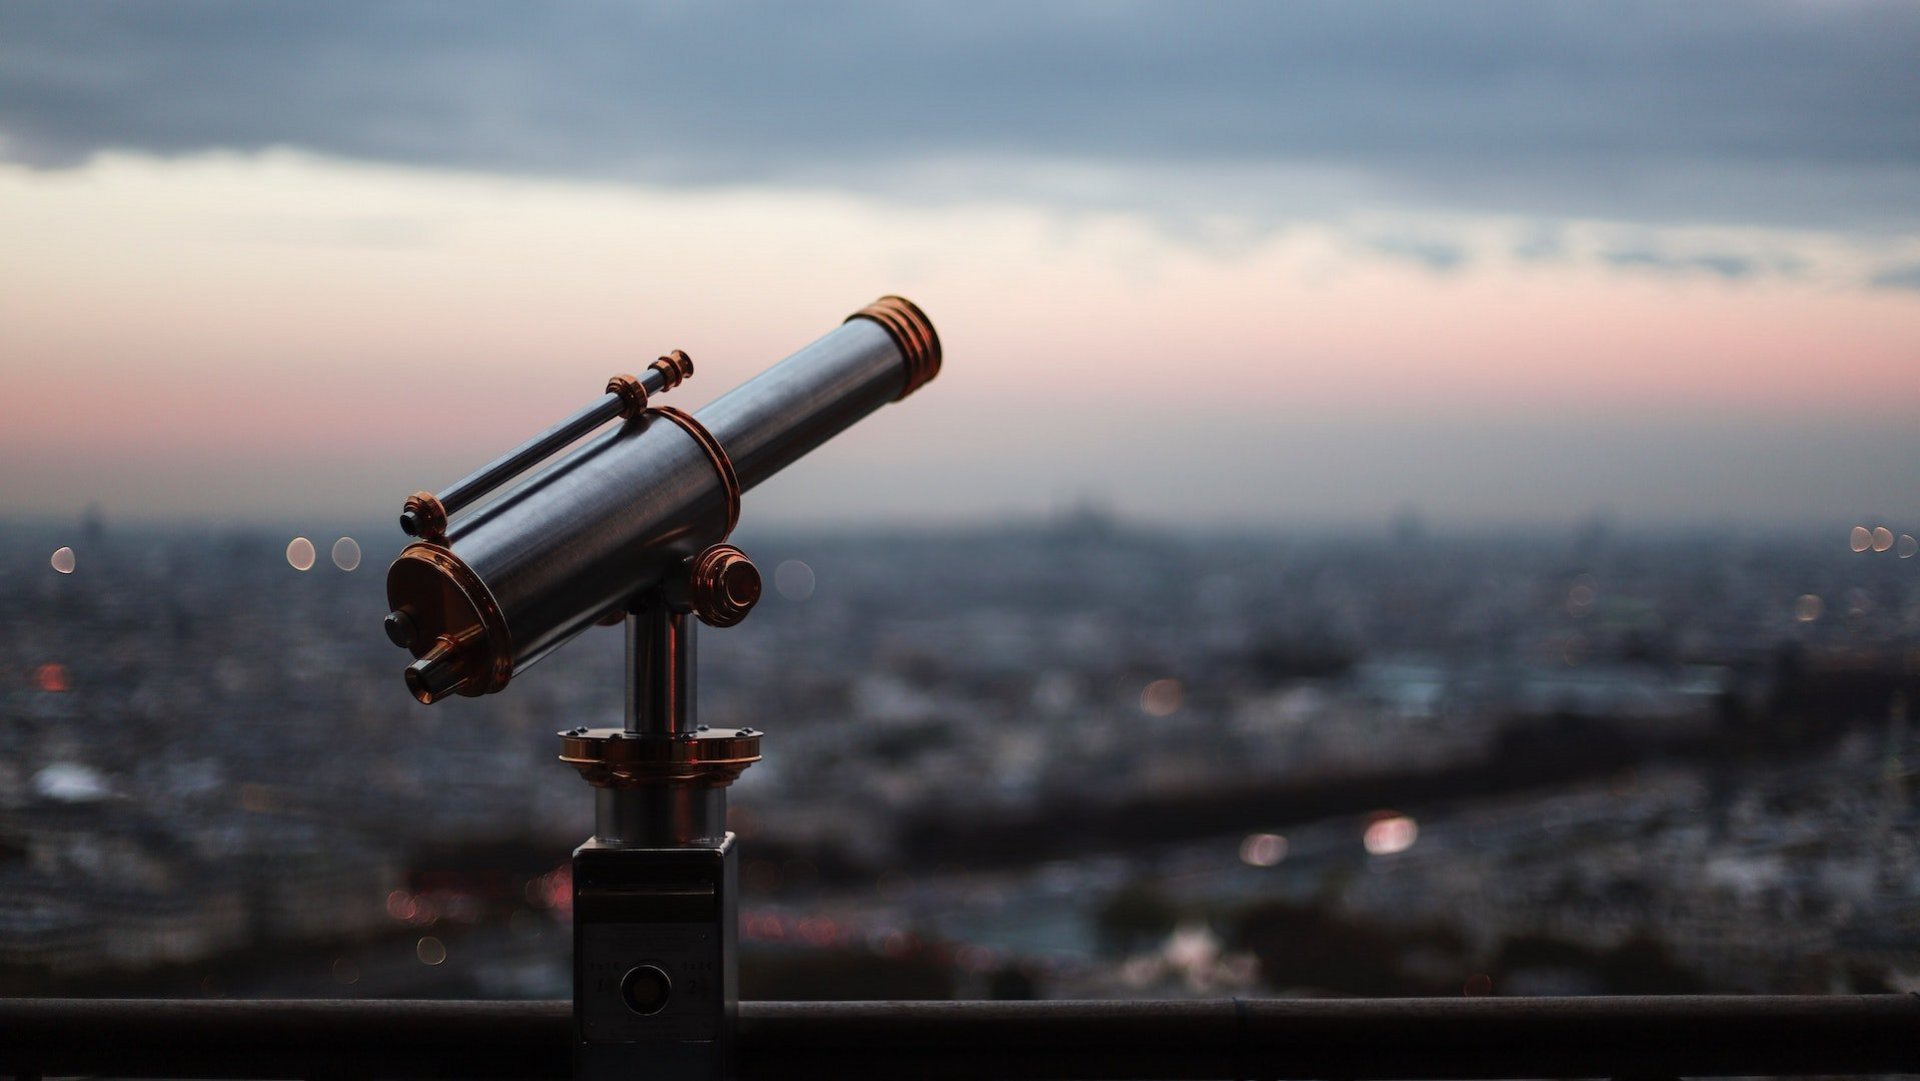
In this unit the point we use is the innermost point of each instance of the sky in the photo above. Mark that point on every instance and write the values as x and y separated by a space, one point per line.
1222 265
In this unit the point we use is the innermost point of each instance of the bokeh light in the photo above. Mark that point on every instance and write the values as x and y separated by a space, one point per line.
1808 608
430 950
52 678
1161 698
401 905
1263 849
63 560
1860 539
794 580
1882 538
346 553
1580 598
300 554
1389 834
1907 546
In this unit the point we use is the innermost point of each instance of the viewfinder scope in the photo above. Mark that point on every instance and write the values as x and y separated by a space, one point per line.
492 585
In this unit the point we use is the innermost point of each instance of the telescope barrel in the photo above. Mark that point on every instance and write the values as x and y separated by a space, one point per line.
587 534
776 418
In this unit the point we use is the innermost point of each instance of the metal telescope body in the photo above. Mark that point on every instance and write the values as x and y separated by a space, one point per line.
630 526
584 536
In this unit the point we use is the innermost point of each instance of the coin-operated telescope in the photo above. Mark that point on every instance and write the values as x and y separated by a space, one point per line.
630 526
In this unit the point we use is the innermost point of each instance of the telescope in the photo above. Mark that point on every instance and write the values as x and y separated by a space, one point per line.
630 526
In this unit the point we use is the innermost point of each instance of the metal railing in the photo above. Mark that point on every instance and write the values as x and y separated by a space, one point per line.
1219 1038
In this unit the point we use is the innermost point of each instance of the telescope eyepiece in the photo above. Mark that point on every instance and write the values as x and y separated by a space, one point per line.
437 674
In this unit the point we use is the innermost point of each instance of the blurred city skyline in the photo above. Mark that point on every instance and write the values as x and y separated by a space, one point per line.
1297 266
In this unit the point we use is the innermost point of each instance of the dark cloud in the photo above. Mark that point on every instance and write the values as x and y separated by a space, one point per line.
1542 244
1730 267
1767 112
1438 256
1897 277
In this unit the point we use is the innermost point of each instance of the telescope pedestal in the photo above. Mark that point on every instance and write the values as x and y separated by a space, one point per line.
655 958
655 963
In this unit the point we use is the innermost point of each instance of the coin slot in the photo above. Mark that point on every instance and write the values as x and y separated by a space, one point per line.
645 990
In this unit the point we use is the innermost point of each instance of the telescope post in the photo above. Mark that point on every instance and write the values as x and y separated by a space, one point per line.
654 890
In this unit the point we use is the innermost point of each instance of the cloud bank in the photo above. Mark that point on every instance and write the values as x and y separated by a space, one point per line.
1793 115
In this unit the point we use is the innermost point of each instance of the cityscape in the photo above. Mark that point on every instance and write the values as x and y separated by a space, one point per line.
1304 539
1076 758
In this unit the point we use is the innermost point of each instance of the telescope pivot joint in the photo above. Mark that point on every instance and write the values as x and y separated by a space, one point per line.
721 586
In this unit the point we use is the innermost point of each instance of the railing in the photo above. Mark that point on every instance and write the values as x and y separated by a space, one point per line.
1220 1038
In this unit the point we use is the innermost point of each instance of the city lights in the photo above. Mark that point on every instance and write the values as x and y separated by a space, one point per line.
52 678
430 950
1390 834
794 580
1360 723
402 906
1161 698
346 553
1882 539
1580 598
1263 849
300 554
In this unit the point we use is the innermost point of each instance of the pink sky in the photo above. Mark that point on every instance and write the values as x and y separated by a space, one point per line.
305 340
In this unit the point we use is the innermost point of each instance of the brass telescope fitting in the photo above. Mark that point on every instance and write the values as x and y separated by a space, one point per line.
912 332
632 390
615 758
